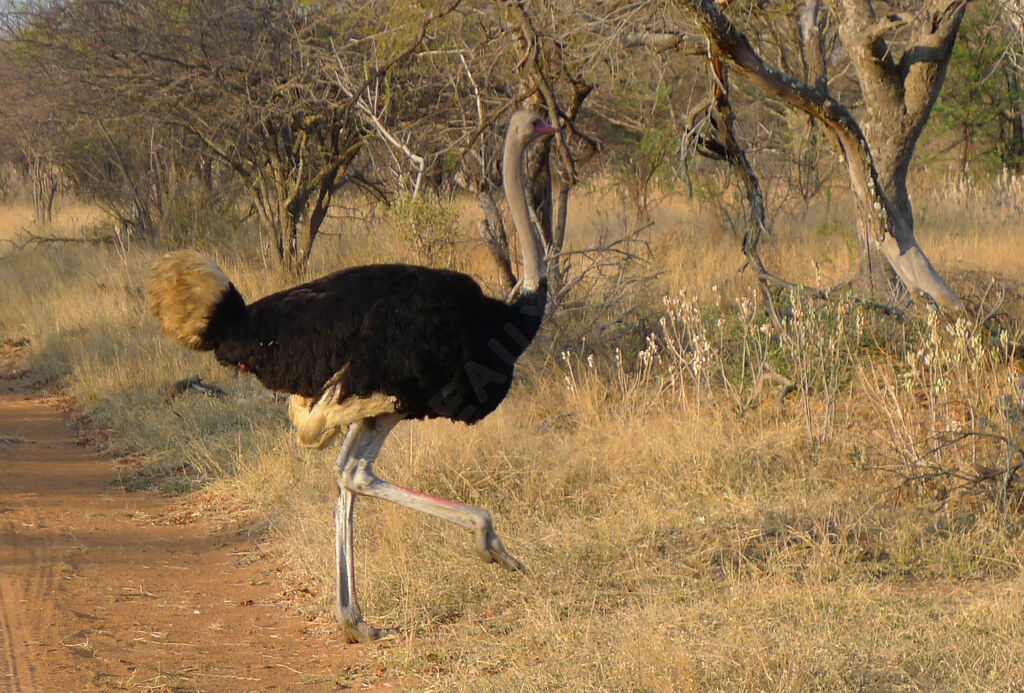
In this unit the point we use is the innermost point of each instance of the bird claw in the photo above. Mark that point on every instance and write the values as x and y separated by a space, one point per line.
492 550
361 631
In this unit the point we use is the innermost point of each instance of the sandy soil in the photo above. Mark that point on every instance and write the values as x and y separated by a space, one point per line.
102 590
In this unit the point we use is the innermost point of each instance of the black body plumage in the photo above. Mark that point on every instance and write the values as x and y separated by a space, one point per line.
428 337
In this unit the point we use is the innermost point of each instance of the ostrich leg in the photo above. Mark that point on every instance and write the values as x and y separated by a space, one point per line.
362 443
360 479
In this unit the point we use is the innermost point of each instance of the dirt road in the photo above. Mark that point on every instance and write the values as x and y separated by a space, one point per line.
98 591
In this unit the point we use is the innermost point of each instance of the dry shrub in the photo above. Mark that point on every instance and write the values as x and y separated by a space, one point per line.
428 225
953 412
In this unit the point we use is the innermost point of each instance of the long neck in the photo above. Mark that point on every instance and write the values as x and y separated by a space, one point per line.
515 192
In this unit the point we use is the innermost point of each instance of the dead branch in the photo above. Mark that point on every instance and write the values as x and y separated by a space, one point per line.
27 238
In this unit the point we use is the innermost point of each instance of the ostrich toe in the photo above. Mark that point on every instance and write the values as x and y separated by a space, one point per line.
492 550
361 631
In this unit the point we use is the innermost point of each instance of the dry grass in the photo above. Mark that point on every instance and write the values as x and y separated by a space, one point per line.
17 224
684 529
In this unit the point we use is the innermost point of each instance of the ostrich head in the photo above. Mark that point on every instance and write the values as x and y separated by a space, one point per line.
526 126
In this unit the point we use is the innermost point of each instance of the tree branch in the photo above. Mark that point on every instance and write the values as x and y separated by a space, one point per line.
890 231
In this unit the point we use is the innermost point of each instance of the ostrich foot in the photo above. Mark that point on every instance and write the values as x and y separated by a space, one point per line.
358 630
492 550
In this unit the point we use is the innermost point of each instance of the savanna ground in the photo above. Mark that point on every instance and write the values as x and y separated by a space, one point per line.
101 589
684 525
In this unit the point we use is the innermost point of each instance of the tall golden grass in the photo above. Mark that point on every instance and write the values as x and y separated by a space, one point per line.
684 528
17 222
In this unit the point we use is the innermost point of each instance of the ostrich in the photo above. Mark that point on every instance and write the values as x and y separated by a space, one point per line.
367 347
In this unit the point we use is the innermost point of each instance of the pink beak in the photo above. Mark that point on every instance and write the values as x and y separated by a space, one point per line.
542 128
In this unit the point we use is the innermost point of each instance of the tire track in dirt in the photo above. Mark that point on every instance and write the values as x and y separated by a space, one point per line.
17 671
30 554
102 589
27 587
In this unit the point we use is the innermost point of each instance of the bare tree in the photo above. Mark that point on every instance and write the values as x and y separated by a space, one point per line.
27 132
899 95
299 98
79 122
251 83
476 67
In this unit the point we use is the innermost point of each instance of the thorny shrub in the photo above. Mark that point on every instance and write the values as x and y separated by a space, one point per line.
937 403
954 413
428 224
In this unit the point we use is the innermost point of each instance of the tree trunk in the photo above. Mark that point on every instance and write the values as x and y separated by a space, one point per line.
492 231
899 95
889 226
45 183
